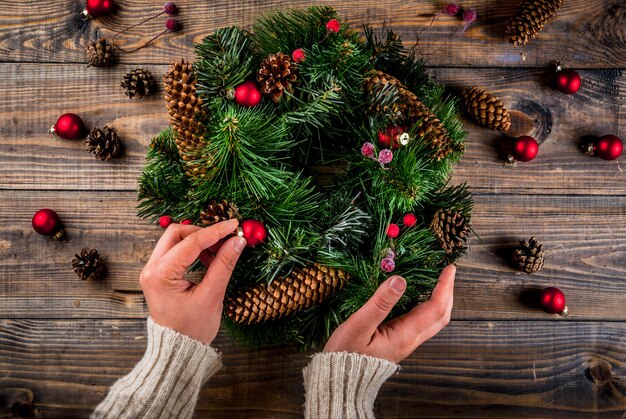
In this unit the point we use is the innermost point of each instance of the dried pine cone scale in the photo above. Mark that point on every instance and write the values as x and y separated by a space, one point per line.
532 16
218 211
104 143
138 82
276 76
89 264
301 289
450 228
99 53
529 256
486 109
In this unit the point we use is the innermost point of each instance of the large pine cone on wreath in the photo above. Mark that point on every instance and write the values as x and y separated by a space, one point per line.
301 289
528 256
486 109
276 76
186 113
138 83
218 211
530 20
450 229
411 109
89 264
104 143
99 53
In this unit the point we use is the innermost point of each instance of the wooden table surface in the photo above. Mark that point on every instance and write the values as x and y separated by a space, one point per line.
63 342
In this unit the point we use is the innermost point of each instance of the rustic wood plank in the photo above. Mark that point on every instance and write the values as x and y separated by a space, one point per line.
34 160
522 369
585 238
585 34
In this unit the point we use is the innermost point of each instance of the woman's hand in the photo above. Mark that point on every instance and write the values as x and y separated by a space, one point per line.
363 332
173 301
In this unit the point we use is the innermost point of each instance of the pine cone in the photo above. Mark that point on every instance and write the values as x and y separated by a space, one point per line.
186 113
411 110
530 20
138 83
89 264
99 53
301 289
104 143
528 256
486 109
216 212
450 228
276 75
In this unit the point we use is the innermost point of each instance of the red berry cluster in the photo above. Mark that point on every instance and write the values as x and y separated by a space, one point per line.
166 220
388 264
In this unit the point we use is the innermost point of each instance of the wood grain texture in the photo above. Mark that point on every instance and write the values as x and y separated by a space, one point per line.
32 159
585 238
487 369
585 34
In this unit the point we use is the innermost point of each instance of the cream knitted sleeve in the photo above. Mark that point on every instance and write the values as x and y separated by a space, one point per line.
344 385
167 380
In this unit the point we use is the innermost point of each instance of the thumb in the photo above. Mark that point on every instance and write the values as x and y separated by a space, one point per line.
377 308
221 268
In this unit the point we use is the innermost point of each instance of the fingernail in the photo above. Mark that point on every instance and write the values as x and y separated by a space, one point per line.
240 244
397 283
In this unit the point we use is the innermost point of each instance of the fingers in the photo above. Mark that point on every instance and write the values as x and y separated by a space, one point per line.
185 252
173 235
221 268
376 309
427 319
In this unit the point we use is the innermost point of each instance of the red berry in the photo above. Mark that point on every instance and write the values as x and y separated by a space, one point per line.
385 156
387 265
172 25
298 55
368 150
333 25
409 220
170 8
165 221
567 81
185 222
452 9
393 231
469 15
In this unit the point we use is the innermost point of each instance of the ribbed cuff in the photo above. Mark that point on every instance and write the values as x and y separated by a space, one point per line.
167 380
344 385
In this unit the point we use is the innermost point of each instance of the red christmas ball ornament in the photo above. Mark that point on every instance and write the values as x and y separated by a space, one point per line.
333 26
165 221
409 220
186 222
47 223
254 232
247 94
567 81
69 126
298 55
552 301
389 138
97 8
525 148
393 230
608 147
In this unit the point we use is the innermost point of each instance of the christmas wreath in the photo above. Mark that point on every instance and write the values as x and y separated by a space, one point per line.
333 149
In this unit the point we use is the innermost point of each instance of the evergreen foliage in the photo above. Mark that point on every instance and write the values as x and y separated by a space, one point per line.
265 160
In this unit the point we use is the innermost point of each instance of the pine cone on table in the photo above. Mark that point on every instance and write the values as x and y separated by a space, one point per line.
276 76
529 256
218 211
532 16
301 289
89 264
99 53
104 143
486 109
138 83
450 229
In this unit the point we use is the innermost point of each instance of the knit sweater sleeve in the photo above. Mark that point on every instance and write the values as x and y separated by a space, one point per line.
167 380
344 385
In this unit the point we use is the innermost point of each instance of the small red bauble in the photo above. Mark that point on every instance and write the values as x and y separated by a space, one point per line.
185 222
525 148
333 25
567 81
298 55
552 301
409 220
608 147
165 221
254 232
69 126
247 94
47 223
96 8
393 230
389 137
